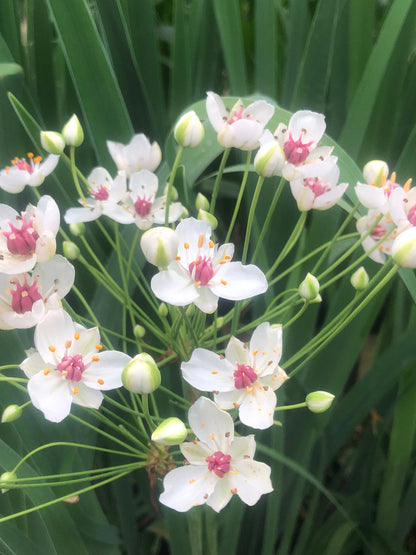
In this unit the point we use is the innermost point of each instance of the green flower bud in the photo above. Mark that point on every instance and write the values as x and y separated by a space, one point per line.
163 310
7 480
210 219
190 310
139 331
141 375
360 279
10 413
72 132
71 251
173 193
269 160
52 142
159 246
77 228
309 288
189 130
319 401
201 202
375 172
171 431
404 248
185 213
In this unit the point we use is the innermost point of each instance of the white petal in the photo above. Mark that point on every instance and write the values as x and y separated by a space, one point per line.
56 275
237 353
243 447
330 198
215 110
107 369
75 215
206 300
275 380
310 125
266 341
195 453
33 364
235 282
260 110
50 394
56 328
221 495
85 344
252 480
86 397
208 372
187 486
174 286
143 184
257 409
50 212
211 425
370 196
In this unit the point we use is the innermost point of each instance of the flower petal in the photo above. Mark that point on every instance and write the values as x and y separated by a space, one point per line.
235 282
105 373
251 480
266 341
211 425
257 409
50 394
208 372
174 286
187 486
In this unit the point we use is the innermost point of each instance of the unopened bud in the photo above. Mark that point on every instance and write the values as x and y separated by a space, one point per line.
7 480
71 251
139 331
210 219
52 142
159 246
201 202
10 413
72 132
404 248
319 401
163 310
309 288
171 431
77 228
185 213
173 193
375 172
190 310
270 159
141 375
360 279
189 130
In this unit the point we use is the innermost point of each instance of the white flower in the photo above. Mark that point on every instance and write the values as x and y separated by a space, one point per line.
320 193
28 237
139 154
384 226
375 172
246 378
105 198
220 465
203 272
25 298
68 367
14 178
376 195
239 127
189 130
402 206
142 205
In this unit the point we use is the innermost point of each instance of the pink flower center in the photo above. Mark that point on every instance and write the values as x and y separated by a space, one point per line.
23 165
389 188
24 296
316 186
378 232
100 193
244 376
236 115
143 206
201 270
219 463
21 241
72 367
411 215
296 152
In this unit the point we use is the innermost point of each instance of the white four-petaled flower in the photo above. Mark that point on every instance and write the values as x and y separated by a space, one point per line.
319 192
22 172
220 465
245 378
68 366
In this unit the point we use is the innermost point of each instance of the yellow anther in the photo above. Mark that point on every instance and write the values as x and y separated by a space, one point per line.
186 245
76 335
212 436
223 282
46 371
178 258
234 491
214 372
37 159
95 358
100 381
68 343
255 352
227 257
393 177
197 284
211 244
200 240
30 154
52 348
406 186
75 390
98 346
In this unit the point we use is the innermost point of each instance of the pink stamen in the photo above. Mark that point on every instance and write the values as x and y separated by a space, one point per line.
201 270
235 116
411 215
378 232
21 164
24 296
143 206
296 152
219 463
72 367
244 376
100 193
21 241
316 186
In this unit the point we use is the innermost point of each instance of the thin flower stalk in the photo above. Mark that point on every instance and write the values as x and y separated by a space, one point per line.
218 179
239 197
250 218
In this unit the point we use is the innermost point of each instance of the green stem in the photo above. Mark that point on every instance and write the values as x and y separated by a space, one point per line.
218 179
171 182
240 197
250 218
291 242
291 407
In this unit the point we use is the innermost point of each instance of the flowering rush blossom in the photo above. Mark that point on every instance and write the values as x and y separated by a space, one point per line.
239 127
137 155
402 206
375 196
299 141
143 208
68 366
105 196
320 192
246 378
202 271
28 237
378 230
220 465
25 298
22 172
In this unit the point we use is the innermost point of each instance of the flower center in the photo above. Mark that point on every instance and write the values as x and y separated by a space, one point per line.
378 232
236 115
23 165
100 193
296 152
244 376
316 186
411 215
24 296
72 367
21 241
201 269
219 463
143 206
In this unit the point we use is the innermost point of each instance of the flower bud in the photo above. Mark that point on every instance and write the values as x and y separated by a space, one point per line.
360 279
404 248
77 228
163 310
173 193
201 202
52 142
72 132
210 219
374 171
71 251
189 130
309 288
319 401
269 159
159 246
139 331
171 431
185 213
141 375
10 413
190 310
7 480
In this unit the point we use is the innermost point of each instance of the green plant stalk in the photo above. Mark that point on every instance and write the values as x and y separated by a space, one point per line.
291 407
87 307
240 197
250 218
171 182
291 242
194 520
218 180
211 531
74 172
297 315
